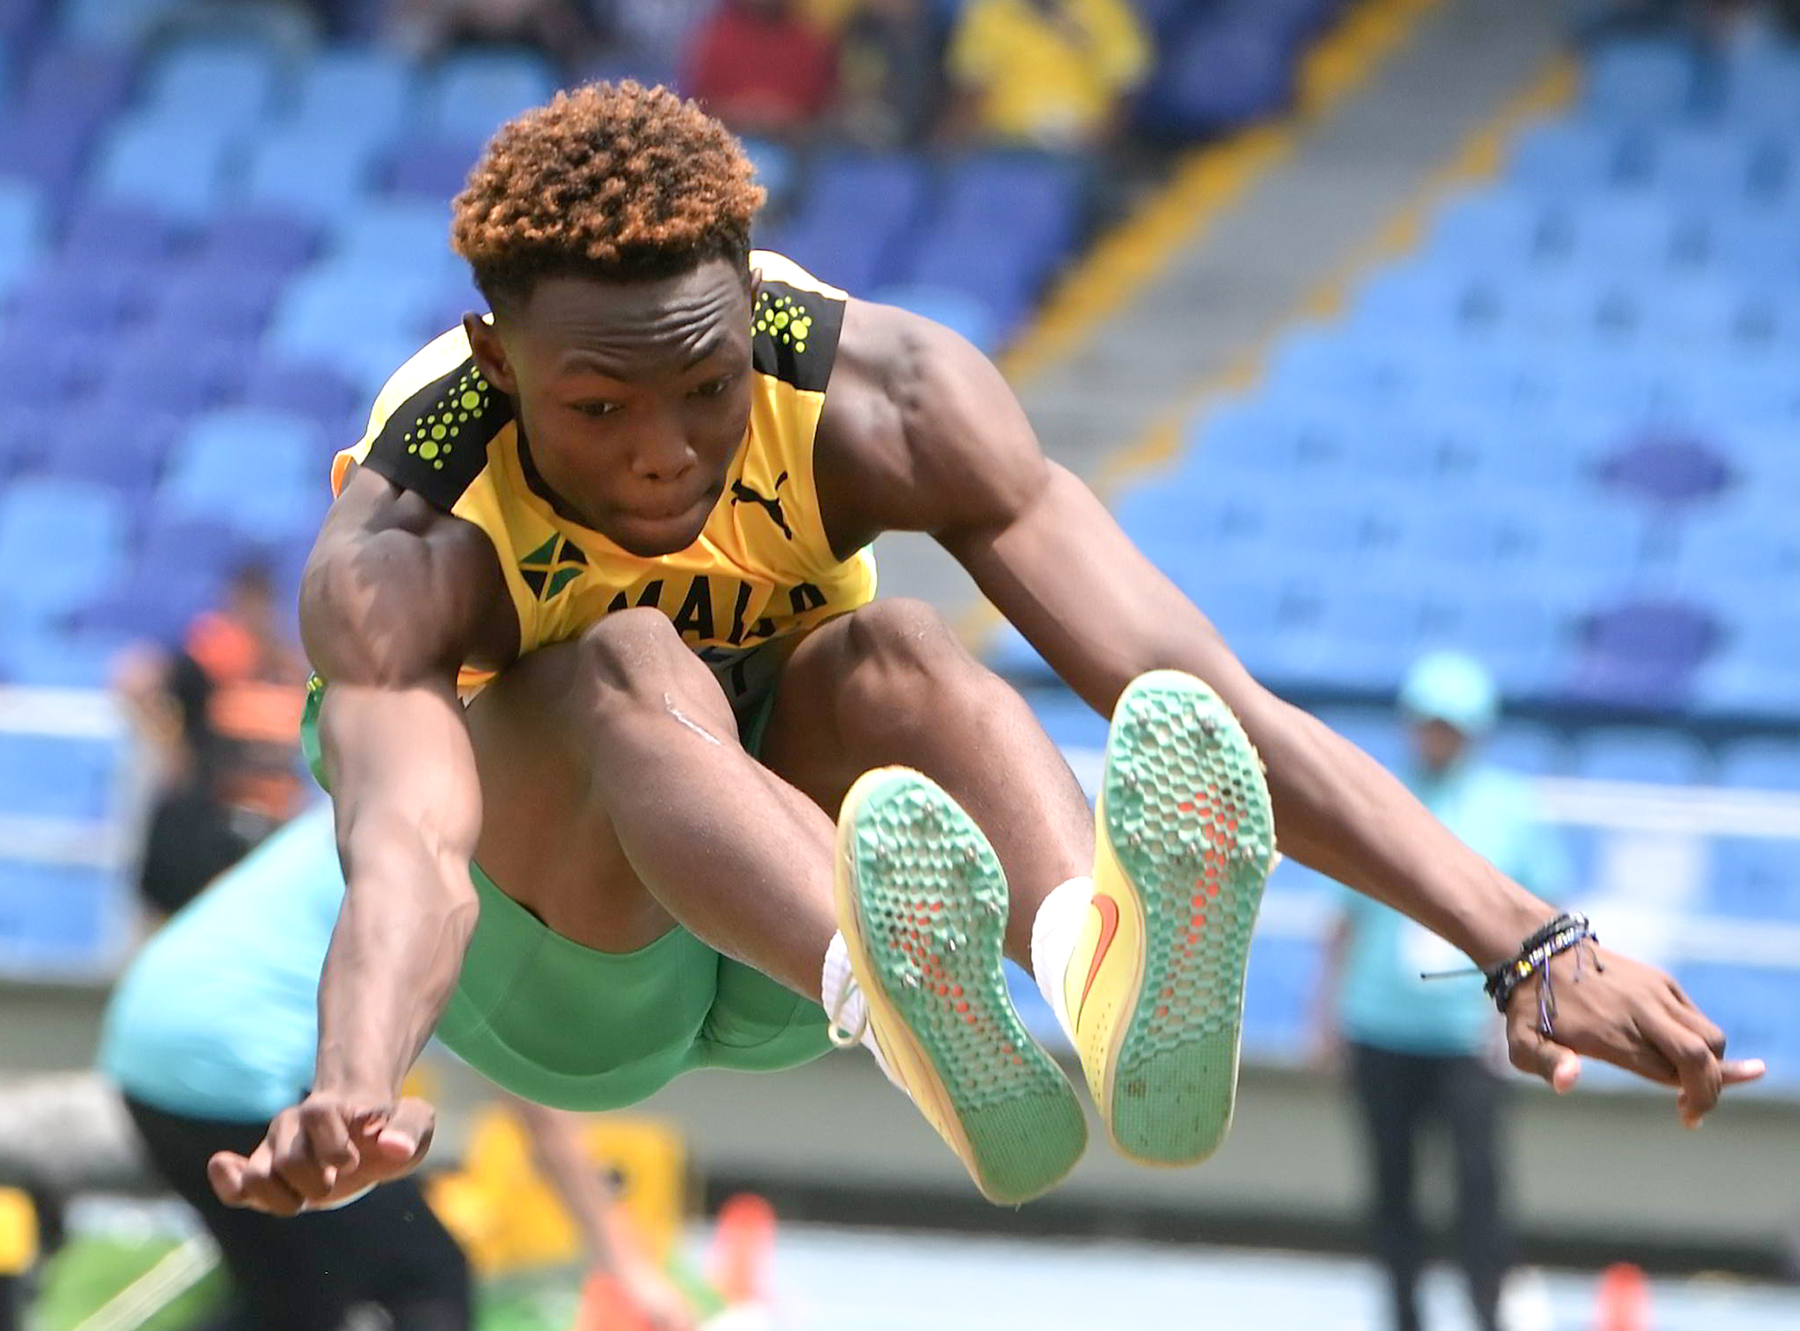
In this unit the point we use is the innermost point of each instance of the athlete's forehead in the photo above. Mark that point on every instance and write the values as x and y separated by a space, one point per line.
629 329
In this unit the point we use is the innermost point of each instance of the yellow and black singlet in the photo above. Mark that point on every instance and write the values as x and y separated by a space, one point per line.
762 569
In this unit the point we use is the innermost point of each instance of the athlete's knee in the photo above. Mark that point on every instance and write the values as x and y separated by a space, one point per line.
636 656
902 647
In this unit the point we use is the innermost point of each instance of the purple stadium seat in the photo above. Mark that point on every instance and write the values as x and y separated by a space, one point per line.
1217 76
256 239
178 377
433 169
48 147
19 22
1670 470
315 391
213 302
64 78
47 369
109 232
26 432
1644 654
85 298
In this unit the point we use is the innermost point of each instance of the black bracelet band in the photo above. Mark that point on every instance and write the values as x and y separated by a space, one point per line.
1559 936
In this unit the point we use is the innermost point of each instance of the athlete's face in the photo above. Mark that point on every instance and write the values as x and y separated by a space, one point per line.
635 397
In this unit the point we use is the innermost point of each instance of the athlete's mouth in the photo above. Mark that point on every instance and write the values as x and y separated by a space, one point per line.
706 498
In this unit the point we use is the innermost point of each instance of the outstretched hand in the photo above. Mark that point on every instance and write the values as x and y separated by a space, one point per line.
325 1151
1621 1011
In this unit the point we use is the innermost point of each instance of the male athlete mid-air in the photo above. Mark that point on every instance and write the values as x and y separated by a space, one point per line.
599 659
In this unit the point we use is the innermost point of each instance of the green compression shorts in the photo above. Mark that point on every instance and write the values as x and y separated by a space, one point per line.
566 1026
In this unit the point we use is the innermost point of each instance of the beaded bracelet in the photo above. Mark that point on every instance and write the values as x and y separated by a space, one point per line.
1560 935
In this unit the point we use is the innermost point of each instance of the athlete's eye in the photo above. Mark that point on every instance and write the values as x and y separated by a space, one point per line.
713 387
595 409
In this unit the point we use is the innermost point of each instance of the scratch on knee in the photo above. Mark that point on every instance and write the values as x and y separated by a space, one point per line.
676 712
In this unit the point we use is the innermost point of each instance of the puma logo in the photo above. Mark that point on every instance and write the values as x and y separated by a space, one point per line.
770 504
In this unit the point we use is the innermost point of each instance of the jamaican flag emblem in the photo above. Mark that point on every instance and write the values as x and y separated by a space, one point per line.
552 566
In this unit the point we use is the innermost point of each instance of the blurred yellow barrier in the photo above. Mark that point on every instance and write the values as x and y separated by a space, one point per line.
18 1232
509 1219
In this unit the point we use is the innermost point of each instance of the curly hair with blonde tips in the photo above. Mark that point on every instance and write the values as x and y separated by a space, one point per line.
614 181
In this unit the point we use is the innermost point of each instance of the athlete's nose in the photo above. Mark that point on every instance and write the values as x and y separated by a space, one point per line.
662 456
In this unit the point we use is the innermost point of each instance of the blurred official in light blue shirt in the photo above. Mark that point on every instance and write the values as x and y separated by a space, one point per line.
1451 704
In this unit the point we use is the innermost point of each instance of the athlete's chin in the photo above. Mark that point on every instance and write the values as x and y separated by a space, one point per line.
652 538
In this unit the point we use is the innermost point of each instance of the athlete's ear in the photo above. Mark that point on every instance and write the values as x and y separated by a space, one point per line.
490 355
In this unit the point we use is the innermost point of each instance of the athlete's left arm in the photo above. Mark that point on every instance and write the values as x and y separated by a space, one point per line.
948 450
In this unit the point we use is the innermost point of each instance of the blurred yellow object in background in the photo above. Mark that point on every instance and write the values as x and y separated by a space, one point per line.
18 1232
508 1219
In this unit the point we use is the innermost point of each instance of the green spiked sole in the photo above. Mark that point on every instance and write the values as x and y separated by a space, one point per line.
1184 810
922 903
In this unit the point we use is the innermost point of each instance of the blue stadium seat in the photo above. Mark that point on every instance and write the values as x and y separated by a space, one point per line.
471 94
1280 993
59 541
1638 753
1758 245
58 919
177 167
1761 764
1688 166
1640 82
299 173
253 469
1567 157
861 208
1631 237
121 24
334 304
56 776
1761 90
362 92
400 233
234 80
958 311
1502 226
1755 1005
24 219
776 169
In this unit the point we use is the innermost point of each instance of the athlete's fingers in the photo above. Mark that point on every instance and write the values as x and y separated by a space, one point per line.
264 1189
1534 1052
328 1136
406 1135
1695 1064
292 1159
225 1171
1687 1012
1738 1071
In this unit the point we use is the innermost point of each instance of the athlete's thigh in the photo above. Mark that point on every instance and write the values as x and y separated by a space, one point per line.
546 840
821 735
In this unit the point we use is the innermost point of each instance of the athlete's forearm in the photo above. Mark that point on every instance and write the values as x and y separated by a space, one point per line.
1340 812
393 961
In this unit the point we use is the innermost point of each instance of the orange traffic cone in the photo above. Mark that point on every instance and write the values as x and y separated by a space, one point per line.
740 1263
1624 1303
605 1307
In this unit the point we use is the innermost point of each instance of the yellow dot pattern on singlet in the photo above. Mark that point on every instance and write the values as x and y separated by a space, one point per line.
433 436
784 319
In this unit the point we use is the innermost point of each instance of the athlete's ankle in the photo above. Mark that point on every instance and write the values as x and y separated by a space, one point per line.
1055 930
845 1007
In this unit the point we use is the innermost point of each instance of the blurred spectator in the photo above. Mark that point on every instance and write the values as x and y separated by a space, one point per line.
222 718
890 73
1418 1052
212 1031
762 68
563 30
652 35
1053 73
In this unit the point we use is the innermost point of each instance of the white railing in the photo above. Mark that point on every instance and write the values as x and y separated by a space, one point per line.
109 844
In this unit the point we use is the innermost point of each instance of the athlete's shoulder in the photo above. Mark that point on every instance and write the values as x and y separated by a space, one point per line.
432 423
796 323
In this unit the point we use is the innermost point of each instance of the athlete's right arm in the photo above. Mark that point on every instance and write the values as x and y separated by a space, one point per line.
388 612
